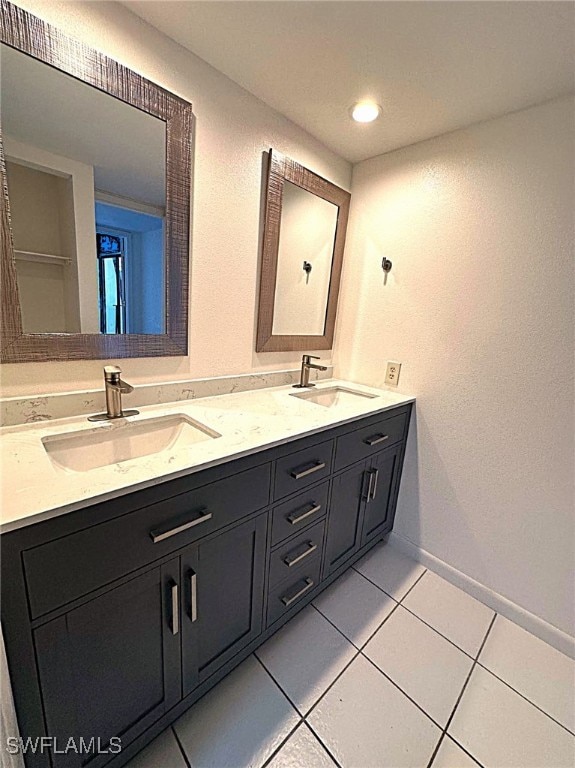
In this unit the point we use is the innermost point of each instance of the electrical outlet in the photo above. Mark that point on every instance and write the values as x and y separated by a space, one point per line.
392 374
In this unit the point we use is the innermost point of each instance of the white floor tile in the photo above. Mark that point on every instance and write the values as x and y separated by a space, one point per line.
355 606
449 755
239 723
535 669
164 751
390 569
454 613
306 656
427 667
366 722
500 728
302 750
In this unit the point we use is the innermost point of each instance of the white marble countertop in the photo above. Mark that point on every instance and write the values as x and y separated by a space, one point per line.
35 489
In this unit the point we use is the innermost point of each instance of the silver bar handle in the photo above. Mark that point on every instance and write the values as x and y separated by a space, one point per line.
289 600
375 476
175 610
310 470
311 547
367 496
193 596
375 439
161 535
294 518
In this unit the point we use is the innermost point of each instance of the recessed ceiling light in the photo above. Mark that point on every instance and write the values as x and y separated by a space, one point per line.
365 111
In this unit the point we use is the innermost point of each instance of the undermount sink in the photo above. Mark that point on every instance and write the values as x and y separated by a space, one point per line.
332 396
117 441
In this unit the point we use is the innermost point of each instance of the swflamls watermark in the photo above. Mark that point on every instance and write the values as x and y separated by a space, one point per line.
81 745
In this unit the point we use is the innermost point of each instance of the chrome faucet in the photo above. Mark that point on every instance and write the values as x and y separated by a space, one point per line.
306 366
115 388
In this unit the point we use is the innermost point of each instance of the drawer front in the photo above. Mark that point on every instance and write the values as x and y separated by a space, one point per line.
299 553
364 442
302 468
292 591
92 558
299 512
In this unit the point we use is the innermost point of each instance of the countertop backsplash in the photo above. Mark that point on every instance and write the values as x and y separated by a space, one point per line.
26 410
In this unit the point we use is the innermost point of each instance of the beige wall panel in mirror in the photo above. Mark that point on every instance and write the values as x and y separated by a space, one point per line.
95 227
305 250
304 237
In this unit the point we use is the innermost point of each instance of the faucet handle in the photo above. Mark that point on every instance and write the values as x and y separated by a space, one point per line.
111 371
307 358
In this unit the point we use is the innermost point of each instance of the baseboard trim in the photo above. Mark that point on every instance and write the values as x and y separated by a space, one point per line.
529 621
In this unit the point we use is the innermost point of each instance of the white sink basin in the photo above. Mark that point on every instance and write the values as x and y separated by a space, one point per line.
332 396
117 441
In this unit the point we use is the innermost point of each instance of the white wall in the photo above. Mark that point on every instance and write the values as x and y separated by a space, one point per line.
233 129
479 308
307 233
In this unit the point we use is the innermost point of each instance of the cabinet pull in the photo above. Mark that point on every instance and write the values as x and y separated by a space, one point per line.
367 496
175 610
161 535
193 595
375 475
310 547
375 439
315 467
289 599
294 517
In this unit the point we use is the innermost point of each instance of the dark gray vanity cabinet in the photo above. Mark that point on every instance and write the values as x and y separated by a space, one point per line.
345 517
111 666
118 616
222 598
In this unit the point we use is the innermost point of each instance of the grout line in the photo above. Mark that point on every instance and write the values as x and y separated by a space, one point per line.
182 750
407 696
372 582
327 749
415 583
469 656
290 734
462 748
450 718
436 750
279 686
501 680
358 653
467 679
315 735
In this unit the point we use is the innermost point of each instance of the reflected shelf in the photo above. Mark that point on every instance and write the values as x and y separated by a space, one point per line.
44 258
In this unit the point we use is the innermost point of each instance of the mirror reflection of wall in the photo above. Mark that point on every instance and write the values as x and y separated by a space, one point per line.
305 252
79 162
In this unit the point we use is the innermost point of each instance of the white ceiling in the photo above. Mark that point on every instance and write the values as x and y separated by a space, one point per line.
433 66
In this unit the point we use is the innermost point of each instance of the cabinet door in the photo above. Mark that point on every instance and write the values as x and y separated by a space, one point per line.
344 521
223 598
111 667
383 471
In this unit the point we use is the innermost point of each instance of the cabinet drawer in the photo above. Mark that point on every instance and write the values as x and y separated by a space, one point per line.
296 554
302 468
363 442
292 591
89 559
297 513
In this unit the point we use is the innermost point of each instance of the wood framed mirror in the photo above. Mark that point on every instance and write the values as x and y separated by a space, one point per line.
95 165
305 224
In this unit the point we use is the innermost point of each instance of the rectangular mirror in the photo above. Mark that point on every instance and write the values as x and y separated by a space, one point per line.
304 237
95 210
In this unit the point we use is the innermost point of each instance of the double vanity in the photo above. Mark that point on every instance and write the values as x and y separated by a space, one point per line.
142 559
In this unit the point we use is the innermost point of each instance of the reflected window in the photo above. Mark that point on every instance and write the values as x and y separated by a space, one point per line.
112 251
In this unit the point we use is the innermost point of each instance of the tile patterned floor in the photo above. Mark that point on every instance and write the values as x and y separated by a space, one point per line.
391 667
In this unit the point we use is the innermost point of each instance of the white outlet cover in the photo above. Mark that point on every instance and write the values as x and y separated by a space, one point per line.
392 374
